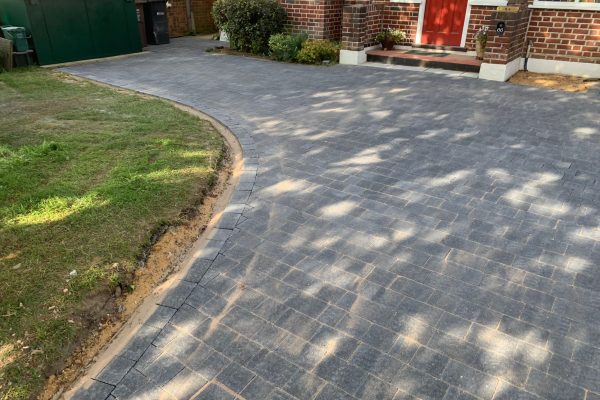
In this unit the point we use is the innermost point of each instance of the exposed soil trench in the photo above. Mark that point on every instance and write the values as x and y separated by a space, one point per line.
106 317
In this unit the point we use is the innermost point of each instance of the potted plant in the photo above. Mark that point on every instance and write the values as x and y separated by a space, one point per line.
390 37
481 38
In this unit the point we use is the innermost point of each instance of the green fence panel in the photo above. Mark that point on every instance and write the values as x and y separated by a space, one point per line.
72 30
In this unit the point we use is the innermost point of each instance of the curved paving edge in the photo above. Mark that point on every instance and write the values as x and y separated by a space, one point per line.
154 315
432 237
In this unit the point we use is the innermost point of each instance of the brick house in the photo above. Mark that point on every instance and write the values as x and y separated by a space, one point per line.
559 36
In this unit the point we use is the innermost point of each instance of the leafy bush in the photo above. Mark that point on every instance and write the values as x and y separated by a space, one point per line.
284 47
317 51
249 23
396 35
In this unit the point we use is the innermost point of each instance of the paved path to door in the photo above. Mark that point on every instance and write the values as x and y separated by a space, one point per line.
407 235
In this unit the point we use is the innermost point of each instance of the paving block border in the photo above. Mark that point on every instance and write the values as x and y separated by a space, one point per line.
108 372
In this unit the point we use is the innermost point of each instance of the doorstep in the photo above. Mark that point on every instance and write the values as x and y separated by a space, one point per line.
437 47
426 59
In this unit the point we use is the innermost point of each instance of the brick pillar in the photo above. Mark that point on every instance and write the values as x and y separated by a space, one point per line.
354 25
502 49
503 52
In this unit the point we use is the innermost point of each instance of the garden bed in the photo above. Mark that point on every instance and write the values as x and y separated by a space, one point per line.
101 193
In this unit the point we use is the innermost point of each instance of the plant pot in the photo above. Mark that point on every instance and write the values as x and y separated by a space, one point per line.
388 44
479 49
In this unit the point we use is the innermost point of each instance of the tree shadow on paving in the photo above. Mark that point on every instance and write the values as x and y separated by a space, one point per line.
409 236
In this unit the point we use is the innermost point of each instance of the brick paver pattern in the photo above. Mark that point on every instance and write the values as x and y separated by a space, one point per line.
395 235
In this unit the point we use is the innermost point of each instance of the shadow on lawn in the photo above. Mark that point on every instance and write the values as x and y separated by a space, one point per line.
408 235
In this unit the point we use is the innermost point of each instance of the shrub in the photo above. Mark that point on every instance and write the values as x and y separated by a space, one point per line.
396 35
284 47
317 51
249 23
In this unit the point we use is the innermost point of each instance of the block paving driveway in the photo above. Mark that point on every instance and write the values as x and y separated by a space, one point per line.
395 235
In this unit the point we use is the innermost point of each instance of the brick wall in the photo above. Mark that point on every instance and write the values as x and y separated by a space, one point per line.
178 20
373 23
320 19
202 16
480 16
402 16
565 35
333 19
305 16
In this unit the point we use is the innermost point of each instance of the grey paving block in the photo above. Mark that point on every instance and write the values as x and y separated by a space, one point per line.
175 296
115 370
548 387
347 376
298 323
336 342
272 368
160 317
270 336
209 365
454 393
300 352
229 220
304 385
470 379
93 390
163 369
241 349
506 391
331 315
258 389
133 381
185 384
380 337
429 361
279 394
140 342
214 392
166 336
374 388
330 392
198 269
235 377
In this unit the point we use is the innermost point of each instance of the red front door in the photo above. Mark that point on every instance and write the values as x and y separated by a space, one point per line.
443 22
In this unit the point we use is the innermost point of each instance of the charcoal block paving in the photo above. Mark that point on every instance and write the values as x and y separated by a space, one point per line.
395 235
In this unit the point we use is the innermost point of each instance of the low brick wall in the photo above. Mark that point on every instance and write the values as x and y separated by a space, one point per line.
565 35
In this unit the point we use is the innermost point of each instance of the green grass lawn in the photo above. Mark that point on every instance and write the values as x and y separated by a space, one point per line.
87 175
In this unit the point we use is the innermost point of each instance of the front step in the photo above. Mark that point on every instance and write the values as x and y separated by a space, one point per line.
436 47
421 58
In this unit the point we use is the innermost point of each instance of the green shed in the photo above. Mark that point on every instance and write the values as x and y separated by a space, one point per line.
73 30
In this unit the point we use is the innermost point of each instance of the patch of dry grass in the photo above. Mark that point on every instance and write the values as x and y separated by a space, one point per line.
566 83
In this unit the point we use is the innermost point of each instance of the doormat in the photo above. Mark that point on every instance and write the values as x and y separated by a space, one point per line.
428 53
